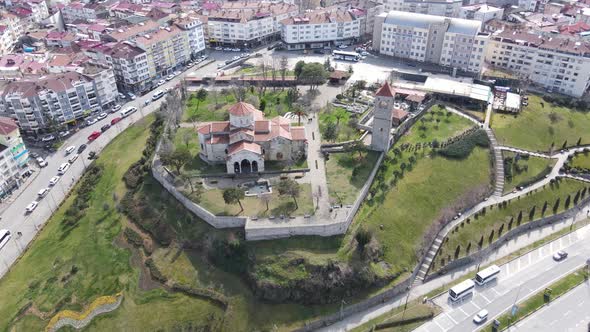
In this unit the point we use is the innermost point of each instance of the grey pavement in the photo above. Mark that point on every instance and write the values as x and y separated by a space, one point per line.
569 313
14 218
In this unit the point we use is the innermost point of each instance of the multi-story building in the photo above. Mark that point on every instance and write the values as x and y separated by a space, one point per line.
11 29
322 27
130 64
482 13
447 8
529 5
37 103
38 8
246 24
555 62
14 156
193 27
449 42
87 12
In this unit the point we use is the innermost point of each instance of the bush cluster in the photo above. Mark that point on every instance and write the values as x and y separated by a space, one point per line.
564 101
133 177
76 211
463 147
154 271
133 237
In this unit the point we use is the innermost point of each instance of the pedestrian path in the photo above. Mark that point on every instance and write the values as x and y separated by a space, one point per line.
521 151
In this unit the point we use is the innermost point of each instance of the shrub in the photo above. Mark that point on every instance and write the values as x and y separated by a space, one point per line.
463 147
154 271
133 237
363 236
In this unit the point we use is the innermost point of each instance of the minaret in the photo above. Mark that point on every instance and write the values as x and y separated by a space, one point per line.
382 118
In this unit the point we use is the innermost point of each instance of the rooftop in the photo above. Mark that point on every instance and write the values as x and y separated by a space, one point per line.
423 21
7 125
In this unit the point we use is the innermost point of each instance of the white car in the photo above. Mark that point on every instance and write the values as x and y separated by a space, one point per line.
63 168
169 77
132 96
70 149
116 108
342 47
31 207
48 138
73 158
91 121
122 96
161 82
102 115
220 65
480 317
219 48
53 181
176 73
43 192
64 133
42 163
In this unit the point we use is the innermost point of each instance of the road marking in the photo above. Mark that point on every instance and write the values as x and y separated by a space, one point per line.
485 298
495 291
463 311
475 305
451 318
437 324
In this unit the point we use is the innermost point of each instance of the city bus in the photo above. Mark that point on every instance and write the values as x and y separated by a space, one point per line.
484 276
347 56
461 290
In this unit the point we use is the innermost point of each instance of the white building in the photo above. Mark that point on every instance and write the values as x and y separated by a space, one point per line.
36 102
447 8
193 28
37 8
13 156
11 29
482 13
247 24
449 42
528 5
322 27
87 12
555 63
247 140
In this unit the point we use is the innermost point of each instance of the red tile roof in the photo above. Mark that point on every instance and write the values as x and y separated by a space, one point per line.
298 133
214 127
385 91
252 147
7 125
219 139
262 126
398 114
242 109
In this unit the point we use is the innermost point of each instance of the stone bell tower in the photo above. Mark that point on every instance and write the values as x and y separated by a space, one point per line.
383 106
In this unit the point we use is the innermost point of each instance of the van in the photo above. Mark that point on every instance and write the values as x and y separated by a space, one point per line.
128 111
158 95
63 168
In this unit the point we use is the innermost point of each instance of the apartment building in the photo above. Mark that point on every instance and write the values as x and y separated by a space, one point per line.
166 49
38 102
14 156
447 8
11 29
322 27
449 42
193 27
556 63
38 8
246 24
86 12
482 13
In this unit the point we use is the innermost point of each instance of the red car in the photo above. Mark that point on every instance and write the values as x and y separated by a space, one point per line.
115 120
94 136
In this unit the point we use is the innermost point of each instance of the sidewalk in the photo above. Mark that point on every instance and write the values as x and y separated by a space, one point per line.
15 194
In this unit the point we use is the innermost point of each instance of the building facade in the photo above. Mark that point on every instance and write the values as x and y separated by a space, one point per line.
449 42
247 140
555 63
323 27
482 13
382 118
446 8
14 156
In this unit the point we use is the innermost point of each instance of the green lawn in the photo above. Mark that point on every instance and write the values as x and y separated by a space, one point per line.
188 138
437 124
415 309
343 186
470 232
212 200
581 161
525 170
541 125
339 116
44 275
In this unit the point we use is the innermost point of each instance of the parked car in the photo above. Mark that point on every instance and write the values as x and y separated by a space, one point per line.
94 136
122 96
115 120
342 46
63 168
132 96
176 73
41 162
48 138
70 149
73 158
105 127
31 207
43 192
34 155
64 133
169 77
102 116
91 121
81 148
116 108
220 65
236 49
227 49
219 48
161 82
480 317
4 237
54 180
559 256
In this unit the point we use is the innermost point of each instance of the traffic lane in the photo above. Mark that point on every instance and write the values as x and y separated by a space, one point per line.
568 313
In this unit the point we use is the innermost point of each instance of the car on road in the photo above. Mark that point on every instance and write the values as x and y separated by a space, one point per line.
34 155
64 133
227 49
94 136
122 96
73 158
54 180
480 317
81 148
70 149
132 96
105 127
364 53
220 65
161 82
559 256
47 138
43 192
115 108
169 77
219 48
146 102
342 46
158 95
102 115
4 237
31 207
63 168
91 121
115 120
41 162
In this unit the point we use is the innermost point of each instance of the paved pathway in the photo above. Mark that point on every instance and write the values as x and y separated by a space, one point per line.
317 168
498 163
521 151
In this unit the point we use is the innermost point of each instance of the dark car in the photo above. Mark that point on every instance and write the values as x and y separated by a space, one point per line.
81 148
318 51
105 127
34 155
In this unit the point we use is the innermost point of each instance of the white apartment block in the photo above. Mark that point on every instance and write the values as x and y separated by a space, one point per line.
38 9
529 5
13 156
78 11
556 64
33 102
319 28
193 27
446 8
482 13
11 29
130 66
449 42
247 24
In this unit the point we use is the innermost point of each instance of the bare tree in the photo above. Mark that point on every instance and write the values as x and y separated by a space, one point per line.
284 65
266 199
239 92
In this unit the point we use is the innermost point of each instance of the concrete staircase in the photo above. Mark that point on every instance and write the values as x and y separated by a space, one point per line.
499 161
428 260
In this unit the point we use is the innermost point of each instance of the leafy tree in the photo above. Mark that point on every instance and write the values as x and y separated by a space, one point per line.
233 196
299 68
291 97
201 96
313 74
262 105
331 131
289 187
300 112
177 158
362 237
339 114
358 146
327 64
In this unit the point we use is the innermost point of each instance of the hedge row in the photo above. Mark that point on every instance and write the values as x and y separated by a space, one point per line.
463 147
133 237
154 271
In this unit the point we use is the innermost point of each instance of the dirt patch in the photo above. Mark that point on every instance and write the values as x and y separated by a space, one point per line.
138 259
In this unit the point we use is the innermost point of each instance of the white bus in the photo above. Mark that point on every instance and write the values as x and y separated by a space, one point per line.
343 55
461 290
128 111
4 237
484 276
158 95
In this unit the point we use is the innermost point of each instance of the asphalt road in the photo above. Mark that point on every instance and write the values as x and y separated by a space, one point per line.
568 313
517 281
14 218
